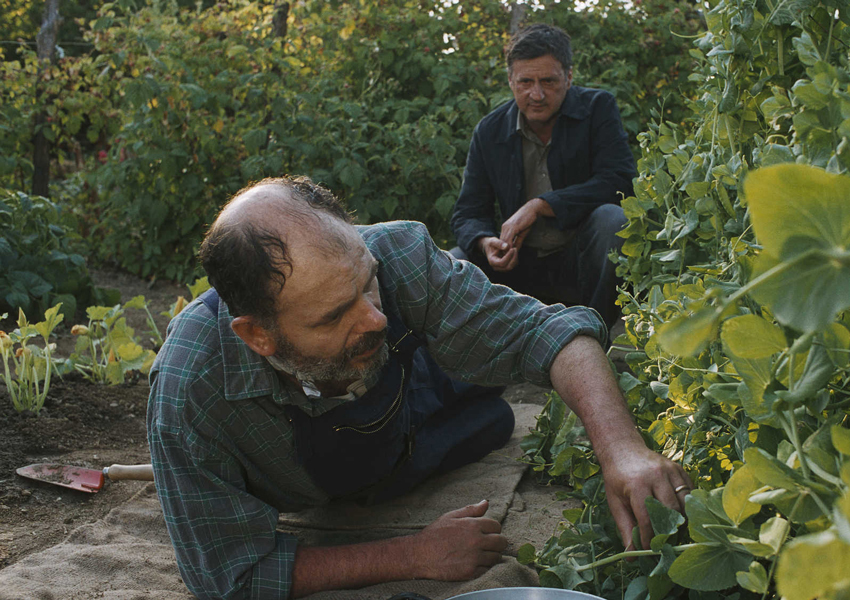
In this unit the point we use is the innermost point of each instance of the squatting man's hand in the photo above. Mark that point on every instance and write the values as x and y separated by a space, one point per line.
461 544
503 252
501 255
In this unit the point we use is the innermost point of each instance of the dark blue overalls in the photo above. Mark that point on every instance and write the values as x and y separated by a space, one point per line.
414 423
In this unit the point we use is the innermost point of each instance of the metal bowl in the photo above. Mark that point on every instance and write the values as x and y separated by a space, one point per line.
525 593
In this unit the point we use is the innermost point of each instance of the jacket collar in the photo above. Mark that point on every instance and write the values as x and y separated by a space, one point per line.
572 108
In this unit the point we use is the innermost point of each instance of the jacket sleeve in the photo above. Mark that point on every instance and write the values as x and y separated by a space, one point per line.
474 214
612 167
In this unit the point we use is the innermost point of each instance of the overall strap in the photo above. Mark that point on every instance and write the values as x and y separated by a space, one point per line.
210 299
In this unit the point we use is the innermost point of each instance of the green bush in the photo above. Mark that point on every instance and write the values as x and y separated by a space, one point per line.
375 100
38 264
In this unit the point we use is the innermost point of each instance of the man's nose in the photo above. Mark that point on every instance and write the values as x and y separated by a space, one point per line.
372 318
537 92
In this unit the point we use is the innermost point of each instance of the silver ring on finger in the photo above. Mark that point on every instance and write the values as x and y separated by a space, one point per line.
681 488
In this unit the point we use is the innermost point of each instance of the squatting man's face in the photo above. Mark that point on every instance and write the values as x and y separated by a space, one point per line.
332 328
539 86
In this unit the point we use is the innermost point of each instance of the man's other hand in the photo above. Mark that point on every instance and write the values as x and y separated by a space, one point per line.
518 226
461 544
501 255
631 477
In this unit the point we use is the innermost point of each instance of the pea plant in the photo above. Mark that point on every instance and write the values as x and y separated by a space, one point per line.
27 367
737 328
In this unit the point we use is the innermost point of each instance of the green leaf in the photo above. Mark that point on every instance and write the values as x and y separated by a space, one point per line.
802 218
756 375
665 521
841 439
708 567
137 302
752 336
836 340
688 335
665 561
773 532
737 492
526 554
114 373
704 511
200 285
561 576
754 579
771 471
814 566
816 374
786 12
637 589
659 585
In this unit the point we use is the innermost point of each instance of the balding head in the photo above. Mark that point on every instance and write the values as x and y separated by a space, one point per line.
248 251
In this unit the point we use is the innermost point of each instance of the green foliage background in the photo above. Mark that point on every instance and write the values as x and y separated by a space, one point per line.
376 100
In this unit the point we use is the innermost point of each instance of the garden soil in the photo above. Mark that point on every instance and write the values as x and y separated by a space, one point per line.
98 425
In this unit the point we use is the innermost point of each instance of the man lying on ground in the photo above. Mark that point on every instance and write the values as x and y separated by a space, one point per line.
333 361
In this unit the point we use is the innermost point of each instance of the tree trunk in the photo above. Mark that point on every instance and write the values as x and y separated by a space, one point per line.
517 16
46 51
281 14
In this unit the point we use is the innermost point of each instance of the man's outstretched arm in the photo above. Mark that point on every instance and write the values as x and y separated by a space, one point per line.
461 544
632 472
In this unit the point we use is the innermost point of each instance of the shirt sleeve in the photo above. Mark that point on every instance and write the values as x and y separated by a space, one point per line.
474 213
475 330
612 167
225 540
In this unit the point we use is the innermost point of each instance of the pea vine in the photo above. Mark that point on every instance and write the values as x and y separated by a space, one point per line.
737 269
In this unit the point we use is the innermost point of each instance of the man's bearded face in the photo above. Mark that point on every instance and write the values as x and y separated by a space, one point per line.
345 367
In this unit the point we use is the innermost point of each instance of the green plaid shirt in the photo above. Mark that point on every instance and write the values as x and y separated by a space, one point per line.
223 449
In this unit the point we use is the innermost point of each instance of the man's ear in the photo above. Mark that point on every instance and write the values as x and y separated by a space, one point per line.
569 76
259 339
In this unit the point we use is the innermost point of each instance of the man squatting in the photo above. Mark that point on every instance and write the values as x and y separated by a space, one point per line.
334 361
556 161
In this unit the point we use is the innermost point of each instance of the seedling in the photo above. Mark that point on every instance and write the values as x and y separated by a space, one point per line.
107 348
32 365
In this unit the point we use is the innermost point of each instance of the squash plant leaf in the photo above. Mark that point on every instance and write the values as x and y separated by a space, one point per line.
801 216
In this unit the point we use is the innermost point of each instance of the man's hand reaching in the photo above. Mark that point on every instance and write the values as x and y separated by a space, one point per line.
461 544
633 475
632 472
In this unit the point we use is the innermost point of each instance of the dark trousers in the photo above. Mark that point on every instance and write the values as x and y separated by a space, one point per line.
579 274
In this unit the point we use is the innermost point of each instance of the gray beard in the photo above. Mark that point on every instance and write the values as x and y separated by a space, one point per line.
333 370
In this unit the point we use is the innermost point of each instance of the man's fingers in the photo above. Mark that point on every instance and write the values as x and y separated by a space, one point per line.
488 559
624 520
670 495
494 542
506 262
640 512
489 526
680 490
471 510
